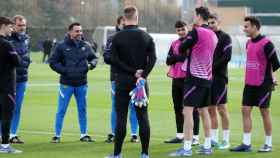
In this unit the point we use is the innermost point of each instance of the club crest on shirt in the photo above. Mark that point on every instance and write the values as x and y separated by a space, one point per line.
26 42
83 48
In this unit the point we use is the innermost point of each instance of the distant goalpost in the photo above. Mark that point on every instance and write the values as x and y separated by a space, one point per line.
265 14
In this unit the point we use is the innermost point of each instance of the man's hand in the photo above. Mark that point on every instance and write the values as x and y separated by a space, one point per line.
91 66
139 73
274 80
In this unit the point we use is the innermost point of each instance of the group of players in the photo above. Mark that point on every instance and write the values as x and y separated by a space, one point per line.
198 65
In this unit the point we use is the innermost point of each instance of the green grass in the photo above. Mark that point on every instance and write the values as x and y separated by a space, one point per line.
40 106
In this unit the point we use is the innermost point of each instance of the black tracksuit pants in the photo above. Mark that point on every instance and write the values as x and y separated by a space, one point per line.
7 104
177 96
124 84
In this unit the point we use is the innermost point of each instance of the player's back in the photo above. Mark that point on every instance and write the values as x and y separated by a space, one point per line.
133 47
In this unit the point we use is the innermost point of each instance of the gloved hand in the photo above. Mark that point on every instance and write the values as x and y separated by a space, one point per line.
138 94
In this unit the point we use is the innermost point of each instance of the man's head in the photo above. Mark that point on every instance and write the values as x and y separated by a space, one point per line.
252 26
20 23
201 15
131 15
75 31
6 26
214 22
120 22
181 28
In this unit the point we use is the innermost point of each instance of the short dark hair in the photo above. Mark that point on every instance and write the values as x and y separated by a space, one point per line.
180 24
5 21
214 16
119 19
71 26
203 12
254 21
130 12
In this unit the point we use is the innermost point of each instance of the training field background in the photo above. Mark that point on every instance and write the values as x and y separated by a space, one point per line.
40 104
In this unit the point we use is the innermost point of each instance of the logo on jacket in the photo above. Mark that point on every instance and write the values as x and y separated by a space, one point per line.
83 48
26 42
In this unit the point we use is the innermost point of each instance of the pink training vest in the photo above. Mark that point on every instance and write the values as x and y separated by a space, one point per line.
175 71
256 62
202 54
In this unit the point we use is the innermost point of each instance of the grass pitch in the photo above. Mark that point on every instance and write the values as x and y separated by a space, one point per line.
40 104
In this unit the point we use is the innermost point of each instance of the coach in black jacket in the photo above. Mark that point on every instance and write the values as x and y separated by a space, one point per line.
72 59
133 56
20 41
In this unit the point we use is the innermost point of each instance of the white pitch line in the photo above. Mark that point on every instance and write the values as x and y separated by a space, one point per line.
72 134
153 79
43 84
94 135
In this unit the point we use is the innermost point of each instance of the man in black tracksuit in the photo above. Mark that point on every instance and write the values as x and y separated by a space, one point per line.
133 57
132 117
222 56
9 60
47 48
